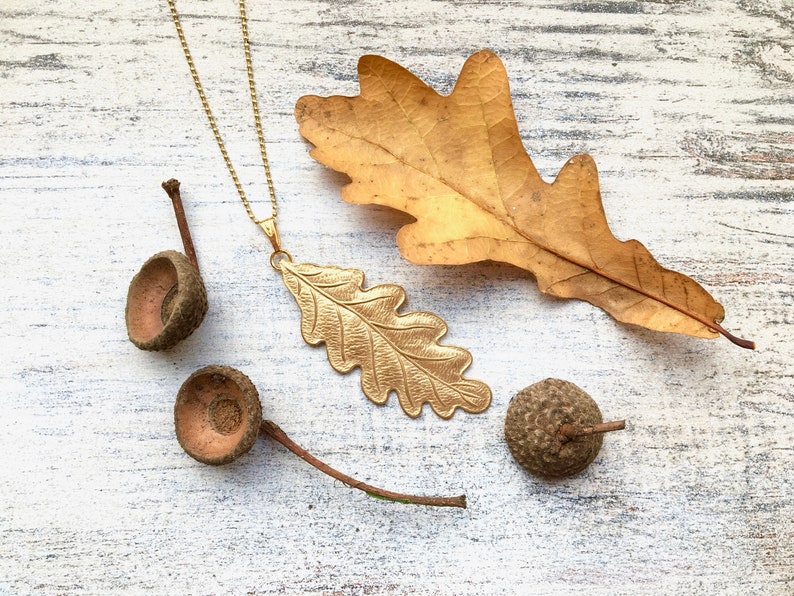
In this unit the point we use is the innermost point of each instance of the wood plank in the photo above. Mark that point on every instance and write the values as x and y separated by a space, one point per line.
686 108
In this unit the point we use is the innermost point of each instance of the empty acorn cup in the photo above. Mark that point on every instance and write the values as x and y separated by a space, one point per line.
218 417
167 300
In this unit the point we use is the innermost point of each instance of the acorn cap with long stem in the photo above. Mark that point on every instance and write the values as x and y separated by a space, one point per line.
218 417
167 300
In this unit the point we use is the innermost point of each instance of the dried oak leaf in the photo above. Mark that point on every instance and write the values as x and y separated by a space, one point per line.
456 163
396 352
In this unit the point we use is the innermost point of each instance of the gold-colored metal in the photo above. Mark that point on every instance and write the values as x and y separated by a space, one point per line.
396 352
277 257
213 124
361 328
270 228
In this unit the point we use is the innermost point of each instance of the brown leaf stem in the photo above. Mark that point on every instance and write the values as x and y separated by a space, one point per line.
742 343
172 188
273 430
571 432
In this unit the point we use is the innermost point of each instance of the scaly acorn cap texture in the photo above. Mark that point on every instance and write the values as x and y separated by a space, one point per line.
533 424
217 415
166 302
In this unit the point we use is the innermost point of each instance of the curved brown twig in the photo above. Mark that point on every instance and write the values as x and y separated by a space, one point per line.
273 430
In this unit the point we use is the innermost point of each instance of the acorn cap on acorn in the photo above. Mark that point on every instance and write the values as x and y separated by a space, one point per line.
554 429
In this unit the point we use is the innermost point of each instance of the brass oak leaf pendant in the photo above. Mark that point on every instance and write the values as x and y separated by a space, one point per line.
396 352
456 163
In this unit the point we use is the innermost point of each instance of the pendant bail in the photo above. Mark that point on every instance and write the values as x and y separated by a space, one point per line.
269 227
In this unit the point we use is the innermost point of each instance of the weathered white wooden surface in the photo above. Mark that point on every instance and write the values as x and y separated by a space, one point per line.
687 108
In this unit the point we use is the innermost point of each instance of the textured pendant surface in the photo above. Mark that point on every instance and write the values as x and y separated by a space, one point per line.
395 352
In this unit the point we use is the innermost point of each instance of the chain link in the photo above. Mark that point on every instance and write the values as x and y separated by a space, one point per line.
213 124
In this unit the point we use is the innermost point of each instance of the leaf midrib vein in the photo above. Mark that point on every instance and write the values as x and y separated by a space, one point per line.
660 299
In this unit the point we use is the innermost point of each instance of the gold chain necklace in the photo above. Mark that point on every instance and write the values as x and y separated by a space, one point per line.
267 224
361 328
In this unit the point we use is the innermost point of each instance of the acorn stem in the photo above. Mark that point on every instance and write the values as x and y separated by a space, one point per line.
570 432
172 188
273 430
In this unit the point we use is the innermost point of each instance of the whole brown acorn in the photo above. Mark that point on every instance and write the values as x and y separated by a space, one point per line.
554 429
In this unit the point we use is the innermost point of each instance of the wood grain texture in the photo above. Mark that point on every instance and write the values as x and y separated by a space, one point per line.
686 107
